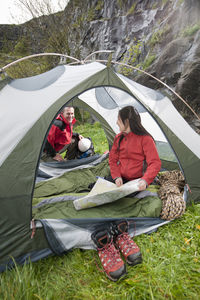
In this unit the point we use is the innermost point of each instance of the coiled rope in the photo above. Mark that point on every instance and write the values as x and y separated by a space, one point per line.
171 193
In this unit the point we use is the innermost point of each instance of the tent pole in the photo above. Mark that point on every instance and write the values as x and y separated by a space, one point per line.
36 55
108 61
135 68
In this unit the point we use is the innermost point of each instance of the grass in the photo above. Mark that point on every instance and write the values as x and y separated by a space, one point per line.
170 268
96 133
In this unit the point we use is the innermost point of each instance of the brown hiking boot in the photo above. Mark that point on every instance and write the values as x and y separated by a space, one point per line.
112 263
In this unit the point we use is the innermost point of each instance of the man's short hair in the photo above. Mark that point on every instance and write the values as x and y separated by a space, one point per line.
66 107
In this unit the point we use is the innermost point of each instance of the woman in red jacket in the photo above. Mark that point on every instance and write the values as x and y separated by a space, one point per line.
133 148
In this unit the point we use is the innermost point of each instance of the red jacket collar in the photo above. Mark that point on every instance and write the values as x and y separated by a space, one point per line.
60 117
123 133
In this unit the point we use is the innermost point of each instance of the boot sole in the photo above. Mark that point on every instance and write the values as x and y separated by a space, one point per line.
116 279
136 261
124 272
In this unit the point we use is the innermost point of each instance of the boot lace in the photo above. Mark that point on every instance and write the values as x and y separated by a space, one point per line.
125 243
109 255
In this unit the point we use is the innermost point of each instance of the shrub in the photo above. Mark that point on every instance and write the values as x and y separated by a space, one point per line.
131 57
131 10
22 47
191 30
148 61
158 35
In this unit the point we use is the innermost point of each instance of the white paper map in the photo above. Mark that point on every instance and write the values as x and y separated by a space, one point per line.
105 192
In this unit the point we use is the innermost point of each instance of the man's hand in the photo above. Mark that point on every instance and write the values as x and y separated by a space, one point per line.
58 157
118 181
80 137
142 185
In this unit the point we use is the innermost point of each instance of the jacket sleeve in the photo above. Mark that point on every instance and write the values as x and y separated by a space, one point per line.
49 149
75 134
152 159
114 160
49 146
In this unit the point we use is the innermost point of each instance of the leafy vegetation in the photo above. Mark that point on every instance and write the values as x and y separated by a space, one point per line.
164 2
7 45
58 40
131 57
22 47
100 5
41 34
120 3
132 9
154 6
91 14
158 35
190 30
148 61
27 68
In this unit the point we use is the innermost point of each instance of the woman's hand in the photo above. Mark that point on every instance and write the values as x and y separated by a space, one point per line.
118 181
142 185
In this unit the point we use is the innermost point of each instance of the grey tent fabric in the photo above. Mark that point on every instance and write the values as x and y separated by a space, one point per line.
38 82
54 169
59 234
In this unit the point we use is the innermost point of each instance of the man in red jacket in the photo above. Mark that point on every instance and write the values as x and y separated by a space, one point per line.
61 137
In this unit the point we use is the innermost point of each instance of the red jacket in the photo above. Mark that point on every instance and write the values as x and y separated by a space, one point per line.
60 133
128 161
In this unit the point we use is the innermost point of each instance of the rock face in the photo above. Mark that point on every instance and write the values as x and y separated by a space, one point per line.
159 36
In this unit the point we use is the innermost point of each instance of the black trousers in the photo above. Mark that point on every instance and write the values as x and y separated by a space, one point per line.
72 149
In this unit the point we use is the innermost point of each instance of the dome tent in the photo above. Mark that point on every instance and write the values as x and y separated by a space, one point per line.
28 107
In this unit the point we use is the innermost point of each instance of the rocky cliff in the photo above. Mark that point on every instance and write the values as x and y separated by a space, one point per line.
161 37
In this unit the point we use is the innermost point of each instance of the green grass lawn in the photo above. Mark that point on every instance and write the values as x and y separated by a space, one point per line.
96 133
170 268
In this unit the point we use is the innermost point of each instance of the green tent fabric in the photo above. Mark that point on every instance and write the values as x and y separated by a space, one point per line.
77 180
71 182
127 207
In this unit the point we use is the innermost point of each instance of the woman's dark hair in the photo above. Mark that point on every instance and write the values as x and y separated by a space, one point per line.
131 114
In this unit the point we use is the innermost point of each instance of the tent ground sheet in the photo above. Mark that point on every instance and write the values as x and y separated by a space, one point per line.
53 198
